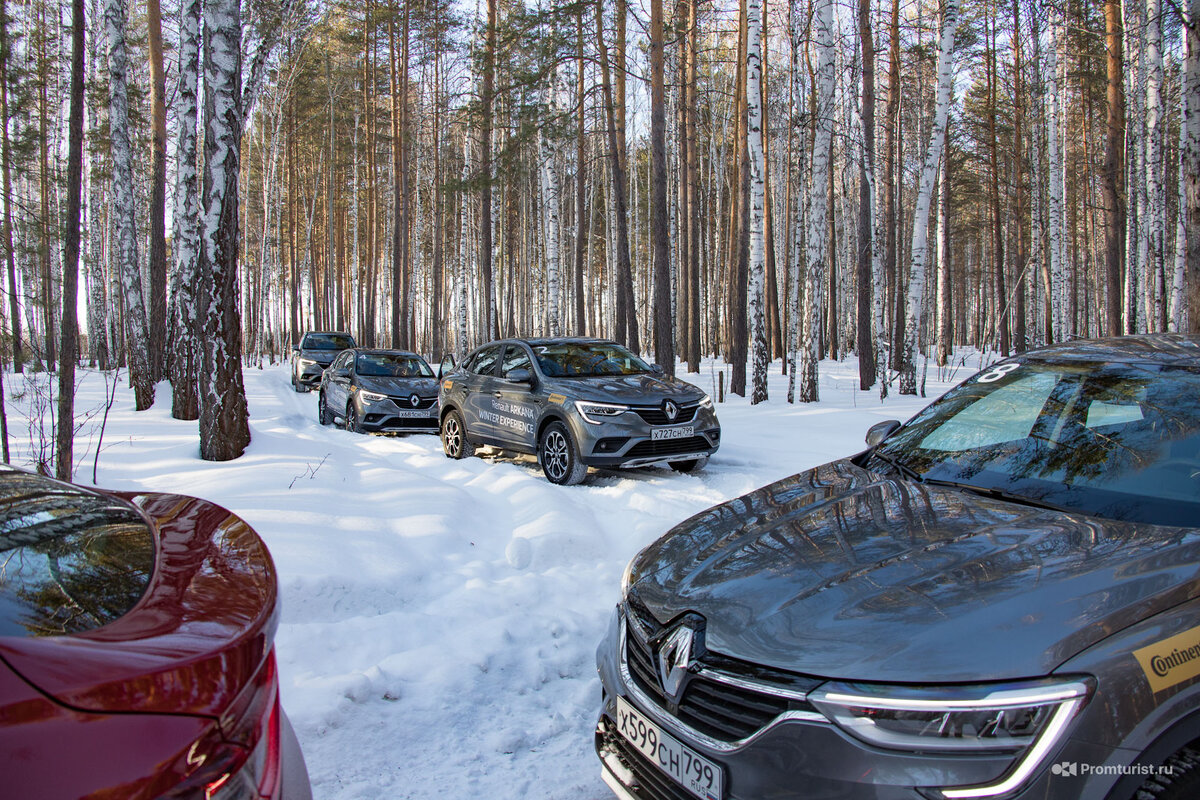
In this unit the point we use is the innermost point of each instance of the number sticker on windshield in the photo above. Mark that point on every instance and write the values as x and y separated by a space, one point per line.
998 372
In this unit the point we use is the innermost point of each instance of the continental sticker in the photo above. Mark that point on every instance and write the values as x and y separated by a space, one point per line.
1171 661
557 399
447 385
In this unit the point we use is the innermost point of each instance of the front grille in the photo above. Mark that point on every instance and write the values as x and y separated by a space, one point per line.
404 401
668 447
725 712
409 422
656 416
650 783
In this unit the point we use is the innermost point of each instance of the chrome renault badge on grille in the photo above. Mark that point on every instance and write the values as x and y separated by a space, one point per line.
674 659
670 409
415 400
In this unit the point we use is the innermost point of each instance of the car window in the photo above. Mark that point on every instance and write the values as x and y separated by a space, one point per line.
587 360
327 341
392 365
515 357
484 362
1120 441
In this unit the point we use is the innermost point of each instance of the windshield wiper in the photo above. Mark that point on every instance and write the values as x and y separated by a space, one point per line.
903 469
1000 494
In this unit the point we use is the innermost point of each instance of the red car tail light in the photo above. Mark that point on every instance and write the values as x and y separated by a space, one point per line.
240 758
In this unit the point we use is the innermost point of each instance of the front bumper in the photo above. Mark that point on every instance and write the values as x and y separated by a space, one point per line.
310 374
397 416
626 440
801 756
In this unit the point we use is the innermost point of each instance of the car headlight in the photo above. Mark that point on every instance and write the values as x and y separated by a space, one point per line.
372 396
306 362
627 576
596 413
1026 719
706 402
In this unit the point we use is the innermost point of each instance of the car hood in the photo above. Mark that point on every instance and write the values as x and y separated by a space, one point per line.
425 387
841 572
199 632
645 389
322 357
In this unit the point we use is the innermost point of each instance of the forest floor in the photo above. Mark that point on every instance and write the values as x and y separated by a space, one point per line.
440 617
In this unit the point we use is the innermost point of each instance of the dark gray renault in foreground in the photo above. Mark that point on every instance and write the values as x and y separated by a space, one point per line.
999 599
379 391
575 403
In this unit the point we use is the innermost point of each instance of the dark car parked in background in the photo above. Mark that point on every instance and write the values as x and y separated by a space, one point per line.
999 598
575 403
137 650
316 352
378 391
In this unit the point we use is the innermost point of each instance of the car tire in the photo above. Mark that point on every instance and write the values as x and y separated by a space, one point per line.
691 465
558 456
322 412
351 422
454 436
1182 784
297 387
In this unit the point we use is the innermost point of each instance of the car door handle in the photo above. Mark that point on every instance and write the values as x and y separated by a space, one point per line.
498 394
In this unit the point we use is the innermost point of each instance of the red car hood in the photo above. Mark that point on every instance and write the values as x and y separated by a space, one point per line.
197 635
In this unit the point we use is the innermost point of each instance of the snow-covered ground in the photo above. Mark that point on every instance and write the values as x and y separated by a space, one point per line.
440 617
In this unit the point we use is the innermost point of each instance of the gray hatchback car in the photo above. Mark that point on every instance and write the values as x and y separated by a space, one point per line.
379 391
999 598
575 403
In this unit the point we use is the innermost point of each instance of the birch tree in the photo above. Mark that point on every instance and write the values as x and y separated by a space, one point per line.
818 230
185 345
550 200
97 296
125 231
224 427
920 232
754 129
1190 163
1056 70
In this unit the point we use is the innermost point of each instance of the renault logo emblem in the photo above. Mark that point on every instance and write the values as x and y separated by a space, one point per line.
415 400
670 409
674 658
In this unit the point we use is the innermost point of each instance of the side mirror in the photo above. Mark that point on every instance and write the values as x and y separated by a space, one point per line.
519 375
296 349
656 369
880 431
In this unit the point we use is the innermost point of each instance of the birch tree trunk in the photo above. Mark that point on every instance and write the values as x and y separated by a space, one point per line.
818 226
158 191
664 335
550 219
98 344
1114 167
920 234
1056 200
14 312
1153 226
756 293
864 339
185 344
136 342
224 426
464 254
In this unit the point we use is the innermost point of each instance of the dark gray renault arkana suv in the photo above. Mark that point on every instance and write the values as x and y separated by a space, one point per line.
575 403
999 598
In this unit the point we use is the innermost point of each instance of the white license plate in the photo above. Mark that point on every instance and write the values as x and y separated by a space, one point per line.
685 432
691 770
413 412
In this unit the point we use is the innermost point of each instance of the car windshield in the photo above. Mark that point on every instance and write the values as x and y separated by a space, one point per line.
1120 441
327 341
574 360
392 365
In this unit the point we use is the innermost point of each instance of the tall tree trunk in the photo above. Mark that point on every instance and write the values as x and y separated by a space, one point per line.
866 202
920 232
818 203
158 192
1154 225
48 228
581 224
693 179
739 228
945 309
1056 296
492 330
754 131
997 215
98 344
224 425
185 341
889 189
1020 171
664 337
14 310
136 344
550 197
1114 167
1190 165
68 352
